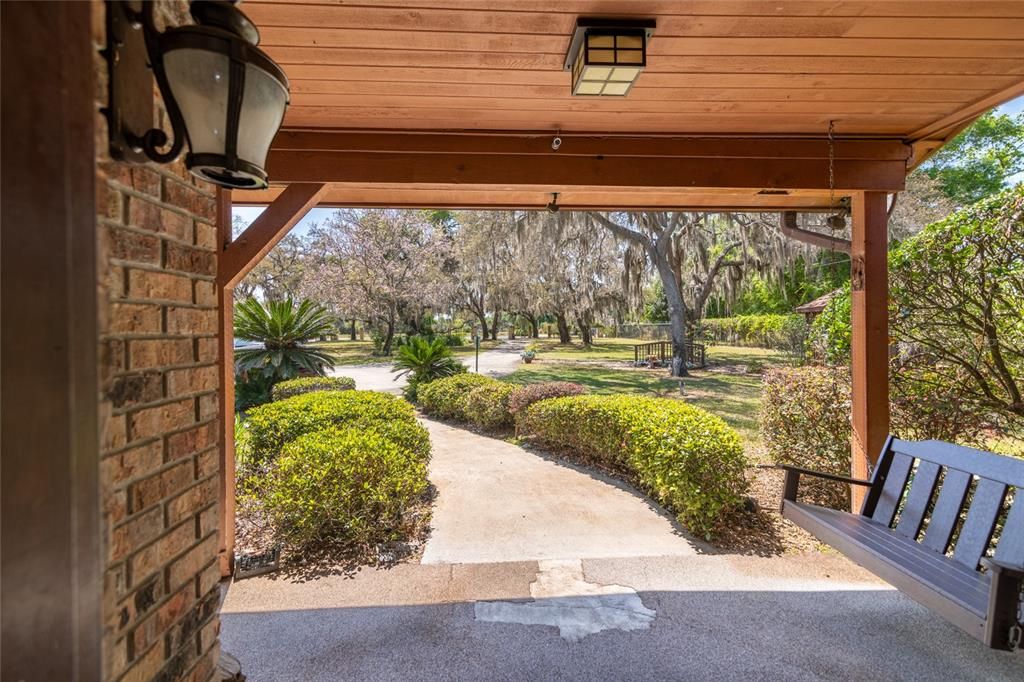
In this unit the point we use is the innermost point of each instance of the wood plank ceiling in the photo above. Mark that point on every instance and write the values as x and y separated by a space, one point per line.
914 70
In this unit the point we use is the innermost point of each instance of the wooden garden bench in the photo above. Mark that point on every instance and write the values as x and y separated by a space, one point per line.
933 547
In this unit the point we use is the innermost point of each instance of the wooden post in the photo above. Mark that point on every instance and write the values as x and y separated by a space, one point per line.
226 403
870 333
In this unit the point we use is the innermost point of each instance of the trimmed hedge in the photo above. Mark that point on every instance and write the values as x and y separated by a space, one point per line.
447 397
527 395
351 485
294 387
687 458
487 406
781 332
273 425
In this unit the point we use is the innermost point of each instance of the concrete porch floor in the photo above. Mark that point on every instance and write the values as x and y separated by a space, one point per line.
541 571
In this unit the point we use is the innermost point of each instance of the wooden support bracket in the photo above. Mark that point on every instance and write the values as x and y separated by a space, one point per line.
240 256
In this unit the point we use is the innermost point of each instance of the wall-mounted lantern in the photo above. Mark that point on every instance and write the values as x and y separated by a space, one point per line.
223 95
607 55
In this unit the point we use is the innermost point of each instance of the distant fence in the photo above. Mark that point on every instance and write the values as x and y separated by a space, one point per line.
644 331
662 351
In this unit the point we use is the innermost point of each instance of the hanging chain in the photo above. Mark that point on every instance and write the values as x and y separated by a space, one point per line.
831 166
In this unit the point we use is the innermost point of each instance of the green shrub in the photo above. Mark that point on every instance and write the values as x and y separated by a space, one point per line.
273 425
293 387
687 458
447 397
351 485
781 332
487 406
252 389
805 421
527 395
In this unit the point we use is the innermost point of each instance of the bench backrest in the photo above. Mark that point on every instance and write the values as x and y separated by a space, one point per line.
950 498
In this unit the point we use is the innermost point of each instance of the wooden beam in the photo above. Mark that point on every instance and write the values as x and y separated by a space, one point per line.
385 195
239 256
226 395
959 119
565 171
870 333
588 144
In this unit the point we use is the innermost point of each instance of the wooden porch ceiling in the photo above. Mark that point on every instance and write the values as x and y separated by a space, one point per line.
912 72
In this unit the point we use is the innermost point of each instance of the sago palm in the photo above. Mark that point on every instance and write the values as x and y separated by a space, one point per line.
425 361
282 328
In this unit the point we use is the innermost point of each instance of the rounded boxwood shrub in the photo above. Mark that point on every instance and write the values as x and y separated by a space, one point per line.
273 425
527 395
349 485
487 406
293 387
447 397
685 457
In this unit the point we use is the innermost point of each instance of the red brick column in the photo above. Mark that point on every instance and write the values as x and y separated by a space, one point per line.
158 412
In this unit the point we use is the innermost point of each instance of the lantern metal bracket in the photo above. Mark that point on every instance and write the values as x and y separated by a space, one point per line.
134 58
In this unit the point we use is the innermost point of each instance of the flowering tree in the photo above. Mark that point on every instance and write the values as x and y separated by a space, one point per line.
377 265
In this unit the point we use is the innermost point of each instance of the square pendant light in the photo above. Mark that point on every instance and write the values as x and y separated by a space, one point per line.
607 55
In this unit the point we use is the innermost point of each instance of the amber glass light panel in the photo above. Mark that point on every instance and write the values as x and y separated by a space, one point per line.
608 63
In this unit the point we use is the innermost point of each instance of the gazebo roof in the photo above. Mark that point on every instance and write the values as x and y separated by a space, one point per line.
818 304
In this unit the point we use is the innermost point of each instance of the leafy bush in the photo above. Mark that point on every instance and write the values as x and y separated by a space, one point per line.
424 361
805 421
782 332
252 389
447 397
830 333
293 387
273 425
487 406
524 396
687 458
351 485
454 340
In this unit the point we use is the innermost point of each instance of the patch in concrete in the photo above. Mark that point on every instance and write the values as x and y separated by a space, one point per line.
564 599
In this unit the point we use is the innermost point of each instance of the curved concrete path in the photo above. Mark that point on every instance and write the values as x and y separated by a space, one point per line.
498 502
378 376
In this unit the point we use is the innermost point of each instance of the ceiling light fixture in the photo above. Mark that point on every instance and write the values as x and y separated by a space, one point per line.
607 55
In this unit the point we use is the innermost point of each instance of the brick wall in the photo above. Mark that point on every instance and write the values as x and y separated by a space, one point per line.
158 412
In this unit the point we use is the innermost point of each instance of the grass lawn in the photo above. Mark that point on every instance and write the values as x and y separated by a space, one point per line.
361 352
735 398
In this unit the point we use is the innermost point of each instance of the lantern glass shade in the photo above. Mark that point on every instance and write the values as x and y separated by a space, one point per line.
231 98
199 84
607 60
262 112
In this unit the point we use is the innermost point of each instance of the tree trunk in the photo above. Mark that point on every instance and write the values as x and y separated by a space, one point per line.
676 313
534 326
512 328
482 316
353 336
585 332
563 328
494 324
389 336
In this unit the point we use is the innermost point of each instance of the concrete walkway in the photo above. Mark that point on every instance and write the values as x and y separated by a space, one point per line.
378 376
498 502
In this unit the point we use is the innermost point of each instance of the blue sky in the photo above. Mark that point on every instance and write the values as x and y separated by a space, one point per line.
249 213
